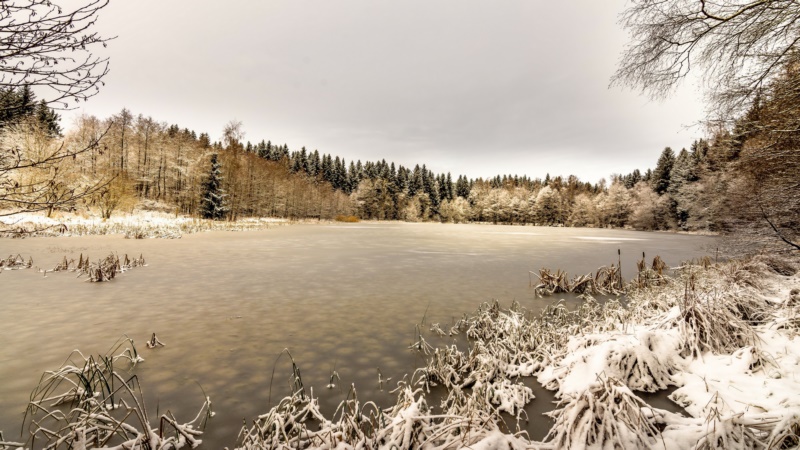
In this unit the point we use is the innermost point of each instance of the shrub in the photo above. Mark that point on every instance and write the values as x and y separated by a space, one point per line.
350 219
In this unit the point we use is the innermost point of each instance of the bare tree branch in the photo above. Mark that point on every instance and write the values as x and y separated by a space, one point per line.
43 45
740 46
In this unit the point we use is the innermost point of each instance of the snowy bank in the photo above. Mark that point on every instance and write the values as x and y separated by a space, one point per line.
726 335
139 225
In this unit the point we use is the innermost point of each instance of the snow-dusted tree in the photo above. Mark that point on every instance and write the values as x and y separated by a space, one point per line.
479 199
213 202
739 46
412 210
615 206
584 212
660 178
499 205
548 207
38 172
456 210
50 47
747 52
650 211
682 176
375 200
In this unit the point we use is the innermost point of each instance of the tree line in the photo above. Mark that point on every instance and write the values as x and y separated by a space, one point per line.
139 160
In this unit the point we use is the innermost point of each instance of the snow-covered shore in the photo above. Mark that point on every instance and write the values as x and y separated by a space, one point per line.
140 224
726 335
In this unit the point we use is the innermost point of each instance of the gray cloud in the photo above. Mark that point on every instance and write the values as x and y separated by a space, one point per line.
472 87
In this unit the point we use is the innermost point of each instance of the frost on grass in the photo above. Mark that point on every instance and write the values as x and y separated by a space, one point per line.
92 402
140 225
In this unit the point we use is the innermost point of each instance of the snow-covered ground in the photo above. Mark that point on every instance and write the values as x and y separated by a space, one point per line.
140 224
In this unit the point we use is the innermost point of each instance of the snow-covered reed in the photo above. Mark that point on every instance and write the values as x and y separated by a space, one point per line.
15 263
105 269
91 402
726 335
605 281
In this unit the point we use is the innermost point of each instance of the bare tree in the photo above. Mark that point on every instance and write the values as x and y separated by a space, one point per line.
747 52
740 46
36 172
45 46
48 48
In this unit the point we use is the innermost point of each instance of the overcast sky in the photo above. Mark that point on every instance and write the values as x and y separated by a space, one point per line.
470 87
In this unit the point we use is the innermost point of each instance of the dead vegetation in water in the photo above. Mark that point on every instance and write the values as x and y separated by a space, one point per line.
15 263
105 269
703 309
297 422
92 402
606 280
585 420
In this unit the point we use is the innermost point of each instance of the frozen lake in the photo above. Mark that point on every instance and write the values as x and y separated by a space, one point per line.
226 304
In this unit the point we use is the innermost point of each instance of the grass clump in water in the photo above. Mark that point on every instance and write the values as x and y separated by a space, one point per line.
92 402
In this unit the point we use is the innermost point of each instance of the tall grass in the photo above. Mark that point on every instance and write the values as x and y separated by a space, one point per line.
105 269
93 402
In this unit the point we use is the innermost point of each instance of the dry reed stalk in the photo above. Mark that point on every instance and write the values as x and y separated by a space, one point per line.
15 263
607 416
89 403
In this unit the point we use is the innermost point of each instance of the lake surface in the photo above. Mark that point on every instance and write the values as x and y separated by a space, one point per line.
343 296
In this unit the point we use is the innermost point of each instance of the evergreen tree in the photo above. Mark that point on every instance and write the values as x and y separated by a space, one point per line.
314 164
683 174
19 105
448 183
213 203
660 177
205 140
352 178
415 183
462 186
47 119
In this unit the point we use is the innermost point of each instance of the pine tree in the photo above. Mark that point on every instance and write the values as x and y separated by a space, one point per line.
462 187
682 175
448 184
415 184
48 119
213 203
19 104
661 175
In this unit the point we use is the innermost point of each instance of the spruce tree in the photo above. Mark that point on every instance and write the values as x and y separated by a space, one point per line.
661 174
48 119
462 187
212 204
